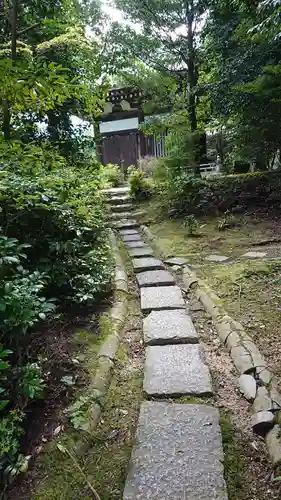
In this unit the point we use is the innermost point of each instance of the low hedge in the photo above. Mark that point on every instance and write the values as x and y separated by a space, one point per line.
244 191
247 191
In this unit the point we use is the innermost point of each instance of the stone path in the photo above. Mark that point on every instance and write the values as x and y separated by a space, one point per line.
178 455
178 451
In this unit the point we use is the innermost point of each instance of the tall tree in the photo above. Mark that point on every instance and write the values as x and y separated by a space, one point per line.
49 36
165 38
244 52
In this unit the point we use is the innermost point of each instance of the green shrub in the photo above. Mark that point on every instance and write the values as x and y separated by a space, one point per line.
53 243
148 165
182 193
11 462
192 224
228 221
249 191
140 187
61 216
188 193
111 175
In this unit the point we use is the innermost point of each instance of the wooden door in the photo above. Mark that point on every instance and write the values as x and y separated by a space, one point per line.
121 149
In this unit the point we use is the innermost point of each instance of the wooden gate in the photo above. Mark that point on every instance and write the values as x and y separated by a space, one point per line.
121 149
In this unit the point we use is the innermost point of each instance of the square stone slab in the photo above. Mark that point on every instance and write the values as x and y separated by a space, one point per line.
146 264
128 231
134 244
125 224
119 200
176 370
175 261
178 454
140 252
122 208
131 237
255 255
169 327
155 278
161 297
217 258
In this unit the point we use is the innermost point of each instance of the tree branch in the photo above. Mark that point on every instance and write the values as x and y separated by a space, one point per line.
19 33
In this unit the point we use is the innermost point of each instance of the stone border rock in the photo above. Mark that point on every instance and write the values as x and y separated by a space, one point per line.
99 385
260 388
147 232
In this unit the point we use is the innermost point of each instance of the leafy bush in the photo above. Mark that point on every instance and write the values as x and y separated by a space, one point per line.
181 193
228 221
187 193
249 191
53 243
21 306
148 165
140 187
191 224
111 175
62 217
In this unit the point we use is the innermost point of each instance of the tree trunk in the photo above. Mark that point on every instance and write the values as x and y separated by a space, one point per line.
6 106
6 120
192 76
14 29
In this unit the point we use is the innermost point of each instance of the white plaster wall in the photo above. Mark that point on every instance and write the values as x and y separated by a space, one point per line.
119 125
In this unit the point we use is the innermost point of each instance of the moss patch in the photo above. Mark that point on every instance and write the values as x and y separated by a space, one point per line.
173 237
233 461
106 463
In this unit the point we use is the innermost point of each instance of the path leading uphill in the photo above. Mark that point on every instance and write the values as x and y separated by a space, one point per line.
178 449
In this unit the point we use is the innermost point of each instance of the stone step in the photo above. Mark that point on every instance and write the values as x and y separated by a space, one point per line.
125 215
117 191
176 370
161 297
178 454
120 200
135 243
125 224
155 278
121 215
134 237
125 232
169 327
147 264
126 207
140 252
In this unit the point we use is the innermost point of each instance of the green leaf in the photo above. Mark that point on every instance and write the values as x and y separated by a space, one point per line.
68 380
3 365
5 353
3 404
12 259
